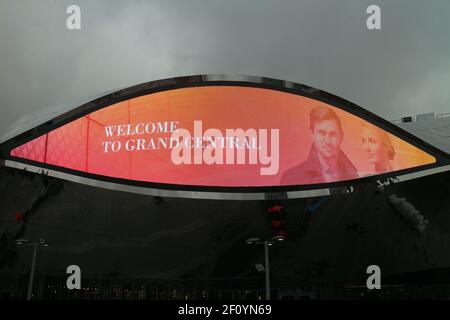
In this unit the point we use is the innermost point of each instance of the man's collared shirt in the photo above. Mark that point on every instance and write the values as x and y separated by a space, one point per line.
328 174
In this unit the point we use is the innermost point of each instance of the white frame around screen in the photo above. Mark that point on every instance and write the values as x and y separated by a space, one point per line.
210 195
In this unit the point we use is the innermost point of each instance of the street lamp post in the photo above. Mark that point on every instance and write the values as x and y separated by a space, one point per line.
266 243
35 244
266 258
33 266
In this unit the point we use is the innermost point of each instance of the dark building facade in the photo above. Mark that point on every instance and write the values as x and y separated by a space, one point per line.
162 246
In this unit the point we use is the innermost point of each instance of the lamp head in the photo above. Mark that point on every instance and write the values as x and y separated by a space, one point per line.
252 240
279 238
21 241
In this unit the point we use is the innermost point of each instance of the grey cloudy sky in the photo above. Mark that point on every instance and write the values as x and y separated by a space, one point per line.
402 69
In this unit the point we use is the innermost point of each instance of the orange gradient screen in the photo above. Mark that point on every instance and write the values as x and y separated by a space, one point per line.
224 136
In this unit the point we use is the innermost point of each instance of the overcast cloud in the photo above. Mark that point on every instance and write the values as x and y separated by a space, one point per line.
402 69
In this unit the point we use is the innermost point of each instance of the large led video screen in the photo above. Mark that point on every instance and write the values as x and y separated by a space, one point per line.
227 136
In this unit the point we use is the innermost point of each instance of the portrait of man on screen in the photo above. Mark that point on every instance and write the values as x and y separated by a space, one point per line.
326 162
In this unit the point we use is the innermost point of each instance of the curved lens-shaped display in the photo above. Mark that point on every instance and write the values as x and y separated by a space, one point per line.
224 136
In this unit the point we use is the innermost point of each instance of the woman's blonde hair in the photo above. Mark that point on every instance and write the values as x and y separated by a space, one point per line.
385 139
